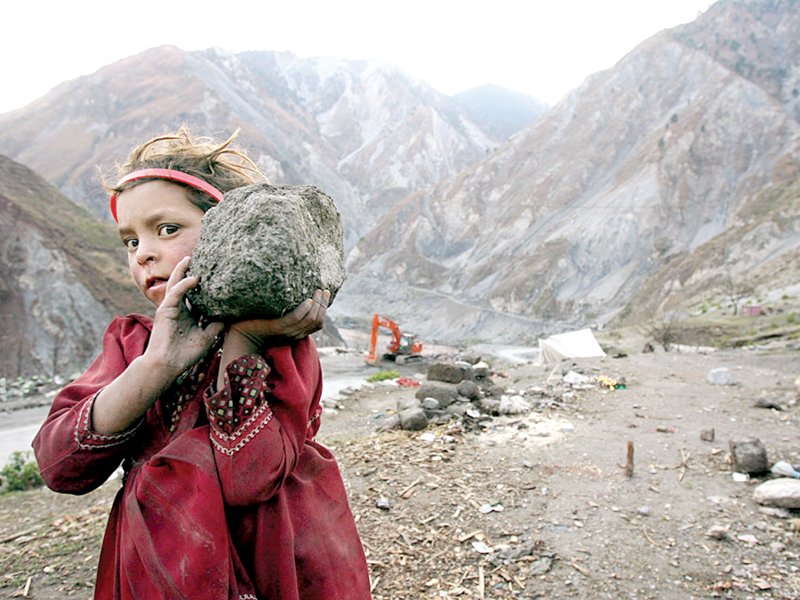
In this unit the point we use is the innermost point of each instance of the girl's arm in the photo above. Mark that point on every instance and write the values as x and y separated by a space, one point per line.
252 336
260 418
72 457
93 420
176 343
260 415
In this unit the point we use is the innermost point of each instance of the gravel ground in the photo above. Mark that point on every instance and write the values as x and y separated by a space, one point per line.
526 506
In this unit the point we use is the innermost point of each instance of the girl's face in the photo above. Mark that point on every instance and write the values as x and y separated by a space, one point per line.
159 226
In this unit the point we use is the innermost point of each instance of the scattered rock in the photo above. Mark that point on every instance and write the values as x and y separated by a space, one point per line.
470 357
772 511
404 403
513 405
480 371
458 409
765 402
707 435
747 538
777 547
383 503
430 404
721 376
784 469
389 423
717 532
749 456
490 406
783 492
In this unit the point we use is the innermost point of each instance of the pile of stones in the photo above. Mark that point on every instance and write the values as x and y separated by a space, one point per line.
456 388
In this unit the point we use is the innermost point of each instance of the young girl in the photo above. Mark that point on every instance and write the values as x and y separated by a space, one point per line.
226 495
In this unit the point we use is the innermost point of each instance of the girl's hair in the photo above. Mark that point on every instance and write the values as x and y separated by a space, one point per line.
217 163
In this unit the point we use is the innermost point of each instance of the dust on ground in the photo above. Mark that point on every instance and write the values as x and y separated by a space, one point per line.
526 506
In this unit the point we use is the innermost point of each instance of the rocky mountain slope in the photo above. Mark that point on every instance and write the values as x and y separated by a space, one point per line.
366 134
627 190
62 277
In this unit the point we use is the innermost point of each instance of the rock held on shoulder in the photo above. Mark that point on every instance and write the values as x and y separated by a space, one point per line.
265 249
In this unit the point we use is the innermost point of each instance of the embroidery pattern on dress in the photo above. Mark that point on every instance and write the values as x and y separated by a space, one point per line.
243 441
84 433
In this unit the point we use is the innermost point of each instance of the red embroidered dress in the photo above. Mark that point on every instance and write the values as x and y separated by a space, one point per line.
226 495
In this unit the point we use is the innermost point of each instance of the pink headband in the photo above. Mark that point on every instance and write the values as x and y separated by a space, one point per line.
169 174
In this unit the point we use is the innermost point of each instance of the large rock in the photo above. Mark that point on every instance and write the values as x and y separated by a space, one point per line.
445 393
264 249
450 372
749 456
413 419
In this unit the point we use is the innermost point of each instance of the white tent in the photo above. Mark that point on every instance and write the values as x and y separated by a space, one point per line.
573 344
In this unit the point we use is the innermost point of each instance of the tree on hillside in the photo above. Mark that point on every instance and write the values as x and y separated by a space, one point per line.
736 291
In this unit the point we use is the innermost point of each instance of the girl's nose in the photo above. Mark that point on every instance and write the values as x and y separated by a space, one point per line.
145 252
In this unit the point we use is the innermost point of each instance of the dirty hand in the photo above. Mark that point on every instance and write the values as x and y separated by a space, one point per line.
301 322
177 341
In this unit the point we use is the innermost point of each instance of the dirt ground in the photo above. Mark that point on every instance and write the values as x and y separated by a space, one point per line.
527 506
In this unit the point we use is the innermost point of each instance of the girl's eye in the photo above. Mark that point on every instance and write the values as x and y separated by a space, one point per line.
167 229
131 243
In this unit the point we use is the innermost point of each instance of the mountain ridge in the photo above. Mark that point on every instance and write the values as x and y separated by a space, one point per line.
643 162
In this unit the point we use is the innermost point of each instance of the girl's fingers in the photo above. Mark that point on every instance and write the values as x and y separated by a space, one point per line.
178 284
319 307
177 290
179 272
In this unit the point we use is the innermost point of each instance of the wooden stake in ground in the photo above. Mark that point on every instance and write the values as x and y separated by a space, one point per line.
629 463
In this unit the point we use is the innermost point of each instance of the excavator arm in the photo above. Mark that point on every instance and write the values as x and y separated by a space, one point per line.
396 346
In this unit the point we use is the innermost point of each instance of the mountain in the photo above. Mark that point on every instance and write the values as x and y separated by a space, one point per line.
367 134
674 168
518 110
62 277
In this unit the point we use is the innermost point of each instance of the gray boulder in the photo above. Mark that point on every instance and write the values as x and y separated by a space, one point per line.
469 389
264 249
445 393
450 372
413 419
749 456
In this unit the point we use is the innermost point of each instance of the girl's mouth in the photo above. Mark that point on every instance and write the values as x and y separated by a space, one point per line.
154 281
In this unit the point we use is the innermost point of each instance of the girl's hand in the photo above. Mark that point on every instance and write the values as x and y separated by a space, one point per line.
301 322
177 341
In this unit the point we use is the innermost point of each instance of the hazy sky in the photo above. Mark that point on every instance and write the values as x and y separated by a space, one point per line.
540 48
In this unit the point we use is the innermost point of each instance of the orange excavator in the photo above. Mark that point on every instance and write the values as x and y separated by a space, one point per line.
403 348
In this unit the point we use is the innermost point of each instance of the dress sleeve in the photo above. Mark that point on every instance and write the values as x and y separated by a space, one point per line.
260 418
72 457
